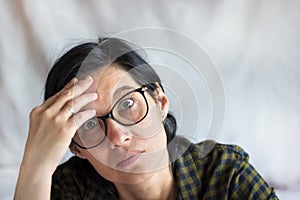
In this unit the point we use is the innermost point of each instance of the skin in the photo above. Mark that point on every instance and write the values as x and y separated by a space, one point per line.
52 128
50 132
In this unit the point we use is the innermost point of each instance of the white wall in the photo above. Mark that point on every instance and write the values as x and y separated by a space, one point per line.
255 45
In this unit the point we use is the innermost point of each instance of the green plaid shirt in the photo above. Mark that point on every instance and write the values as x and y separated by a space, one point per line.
224 173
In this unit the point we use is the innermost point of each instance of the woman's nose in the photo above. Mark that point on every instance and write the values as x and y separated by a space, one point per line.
116 135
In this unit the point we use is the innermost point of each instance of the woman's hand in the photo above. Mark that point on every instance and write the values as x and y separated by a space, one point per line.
52 126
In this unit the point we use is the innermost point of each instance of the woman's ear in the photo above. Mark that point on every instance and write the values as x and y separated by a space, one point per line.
73 148
163 101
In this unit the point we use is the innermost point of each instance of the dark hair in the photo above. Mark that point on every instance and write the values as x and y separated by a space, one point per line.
89 56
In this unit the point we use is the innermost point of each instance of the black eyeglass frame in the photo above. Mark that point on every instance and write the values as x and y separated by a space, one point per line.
141 90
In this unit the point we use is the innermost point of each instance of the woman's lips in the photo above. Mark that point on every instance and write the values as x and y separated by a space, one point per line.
129 159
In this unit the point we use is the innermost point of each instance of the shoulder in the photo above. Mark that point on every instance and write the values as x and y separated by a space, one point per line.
77 179
68 169
68 180
205 150
205 170
209 157
244 182
214 154
210 149
213 157
225 166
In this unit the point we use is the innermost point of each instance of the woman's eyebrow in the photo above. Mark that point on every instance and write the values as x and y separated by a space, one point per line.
120 90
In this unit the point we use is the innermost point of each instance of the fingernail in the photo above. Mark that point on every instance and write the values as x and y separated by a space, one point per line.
87 79
95 95
74 80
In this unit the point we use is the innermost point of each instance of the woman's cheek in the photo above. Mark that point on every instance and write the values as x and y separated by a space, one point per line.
150 126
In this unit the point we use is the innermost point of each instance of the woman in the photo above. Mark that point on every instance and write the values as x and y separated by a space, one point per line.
107 104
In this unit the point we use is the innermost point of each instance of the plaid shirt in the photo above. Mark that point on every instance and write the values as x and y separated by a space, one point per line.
224 173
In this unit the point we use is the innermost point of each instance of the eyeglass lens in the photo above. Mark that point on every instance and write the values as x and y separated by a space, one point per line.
129 110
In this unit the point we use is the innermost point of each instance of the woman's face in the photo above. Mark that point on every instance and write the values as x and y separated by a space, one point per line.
128 154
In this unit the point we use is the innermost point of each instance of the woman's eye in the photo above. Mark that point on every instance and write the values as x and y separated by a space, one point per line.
90 124
126 104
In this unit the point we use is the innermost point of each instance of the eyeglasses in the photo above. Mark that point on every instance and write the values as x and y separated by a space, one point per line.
129 110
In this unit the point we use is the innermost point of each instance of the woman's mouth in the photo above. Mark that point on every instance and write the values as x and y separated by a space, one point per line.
129 159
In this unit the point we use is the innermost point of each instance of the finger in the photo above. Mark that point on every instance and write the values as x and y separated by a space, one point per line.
79 118
71 93
74 105
50 101
71 83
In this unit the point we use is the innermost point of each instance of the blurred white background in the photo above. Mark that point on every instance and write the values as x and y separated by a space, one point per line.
255 45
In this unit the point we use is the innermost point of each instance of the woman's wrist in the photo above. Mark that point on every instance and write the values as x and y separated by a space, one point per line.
33 170
34 182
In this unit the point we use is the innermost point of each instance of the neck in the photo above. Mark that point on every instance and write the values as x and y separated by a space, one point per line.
160 185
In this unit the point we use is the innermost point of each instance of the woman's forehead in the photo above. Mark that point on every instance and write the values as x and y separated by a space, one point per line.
110 85
111 79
